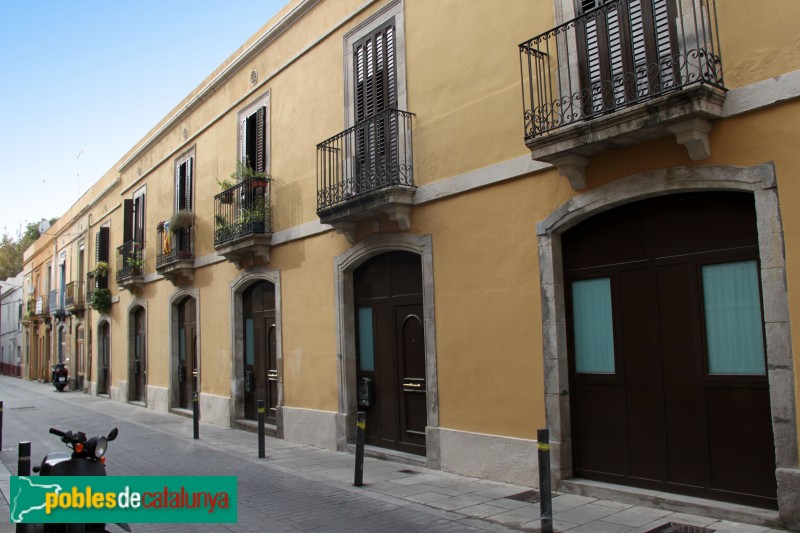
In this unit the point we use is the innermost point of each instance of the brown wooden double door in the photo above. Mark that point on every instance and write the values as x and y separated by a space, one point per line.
668 384
391 350
187 352
260 351
139 359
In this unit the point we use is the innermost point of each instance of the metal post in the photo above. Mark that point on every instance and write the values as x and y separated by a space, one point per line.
361 424
545 492
196 414
24 461
261 411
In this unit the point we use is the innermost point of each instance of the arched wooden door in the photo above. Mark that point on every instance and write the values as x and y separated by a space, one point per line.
260 353
139 355
667 365
187 352
104 374
391 349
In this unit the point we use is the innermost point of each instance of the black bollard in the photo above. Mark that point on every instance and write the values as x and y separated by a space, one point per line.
1 425
196 414
545 492
361 424
24 469
24 461
261 446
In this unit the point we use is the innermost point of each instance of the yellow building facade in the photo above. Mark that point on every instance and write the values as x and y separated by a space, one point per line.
395 207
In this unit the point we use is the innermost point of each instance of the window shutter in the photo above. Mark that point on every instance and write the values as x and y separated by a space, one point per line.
261 125
103 243
178 187
243 142
188 184
374 73
127 220
138 217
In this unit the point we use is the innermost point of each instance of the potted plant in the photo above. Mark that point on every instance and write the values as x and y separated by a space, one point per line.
181 220
101 300
136 264
245 172
226 187
101 269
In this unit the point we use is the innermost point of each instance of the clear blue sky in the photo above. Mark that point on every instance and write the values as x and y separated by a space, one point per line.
95 77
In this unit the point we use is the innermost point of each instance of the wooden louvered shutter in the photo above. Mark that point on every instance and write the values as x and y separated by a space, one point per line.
138 219
375 91
188 184
375 73
260 140
178 169
127 220
625 52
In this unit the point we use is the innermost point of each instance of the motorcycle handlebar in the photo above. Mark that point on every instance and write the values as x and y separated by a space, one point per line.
57 432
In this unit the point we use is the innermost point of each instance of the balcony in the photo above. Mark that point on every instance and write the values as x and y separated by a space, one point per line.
130 274
42 306
242 221
365 171
56 304
74 301
30 310
175 260
621 74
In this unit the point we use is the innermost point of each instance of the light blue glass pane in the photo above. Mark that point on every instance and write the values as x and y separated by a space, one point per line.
182 344
593 326
248 339
734 336
366 343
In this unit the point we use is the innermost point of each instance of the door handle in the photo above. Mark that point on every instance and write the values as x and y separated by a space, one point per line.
272 375
412 385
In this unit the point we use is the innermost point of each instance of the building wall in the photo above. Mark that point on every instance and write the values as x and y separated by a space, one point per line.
479 199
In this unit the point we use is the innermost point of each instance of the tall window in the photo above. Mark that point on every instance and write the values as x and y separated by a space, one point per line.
254 135
101 254
134 219
184 173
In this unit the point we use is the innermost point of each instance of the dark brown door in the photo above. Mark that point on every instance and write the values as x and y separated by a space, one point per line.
261 359
668 384
139 355
391 350
105 358
187 357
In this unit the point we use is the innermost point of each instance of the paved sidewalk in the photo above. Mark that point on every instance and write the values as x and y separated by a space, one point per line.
448 501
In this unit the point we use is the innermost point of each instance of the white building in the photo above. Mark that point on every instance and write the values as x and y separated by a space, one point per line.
11 325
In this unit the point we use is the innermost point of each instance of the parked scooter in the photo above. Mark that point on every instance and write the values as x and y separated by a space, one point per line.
59 374
86 459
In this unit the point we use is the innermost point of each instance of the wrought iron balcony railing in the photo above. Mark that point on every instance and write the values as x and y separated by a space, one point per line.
174 246
372 155
42 305
242 210
616 55
74 298
56 302
130 258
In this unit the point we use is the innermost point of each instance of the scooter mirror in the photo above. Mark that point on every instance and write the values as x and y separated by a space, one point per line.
113 434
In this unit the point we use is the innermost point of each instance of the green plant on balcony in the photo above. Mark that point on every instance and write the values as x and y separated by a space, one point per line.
181 220
101 269
255 212
245 172
136 263
101 300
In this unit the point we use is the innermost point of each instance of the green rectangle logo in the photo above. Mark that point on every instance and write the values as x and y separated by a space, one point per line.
123 499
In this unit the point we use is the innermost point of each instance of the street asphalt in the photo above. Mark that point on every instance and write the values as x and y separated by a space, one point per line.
300 488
